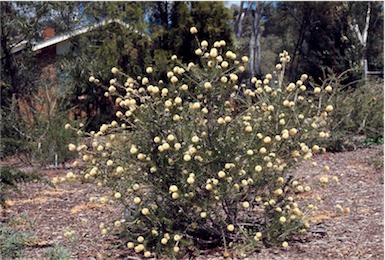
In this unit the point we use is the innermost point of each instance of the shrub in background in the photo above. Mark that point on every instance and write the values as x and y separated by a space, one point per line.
200 160
36 141
358 115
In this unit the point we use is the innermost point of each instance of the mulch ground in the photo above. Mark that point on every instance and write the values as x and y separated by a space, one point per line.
49 213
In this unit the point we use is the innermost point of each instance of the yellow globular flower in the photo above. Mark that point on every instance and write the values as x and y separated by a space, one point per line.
267 140
324 179
176 249
173 188
174 79
317 90
213 53
178 100
293 131
145 211
326 168
164 241
258 236
140 239
130 245
241 68
221 174
187 157
119 170
177 237
114 70
258 168
196 105
147 254
193 30
137 200
71 147
329 108
209 186
282 219
198 52
262 150
141 156
300 188
285 244
230 227
207 85
190 180
139 248
304 77
278 192
329 89
70 175
245 204
117 195
204 44
224 64
221 121
245 59
233 77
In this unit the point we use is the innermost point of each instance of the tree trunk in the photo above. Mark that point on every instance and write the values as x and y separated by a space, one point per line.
239 22
255 39
362 36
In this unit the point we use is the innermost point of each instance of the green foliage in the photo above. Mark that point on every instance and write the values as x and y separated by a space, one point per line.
57 252
32 102
12 243
319 35
358 114
371 141
199 160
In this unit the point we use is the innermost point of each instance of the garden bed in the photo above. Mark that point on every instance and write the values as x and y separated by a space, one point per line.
48 213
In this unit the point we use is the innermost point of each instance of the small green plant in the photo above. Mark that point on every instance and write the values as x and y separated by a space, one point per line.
201 160
12 243
372 141
358 117
57 252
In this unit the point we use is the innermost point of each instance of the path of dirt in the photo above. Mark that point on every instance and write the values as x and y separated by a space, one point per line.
357 235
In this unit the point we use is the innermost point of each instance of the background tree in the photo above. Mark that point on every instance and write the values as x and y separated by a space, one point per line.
169 24
23 83
253 10
121 42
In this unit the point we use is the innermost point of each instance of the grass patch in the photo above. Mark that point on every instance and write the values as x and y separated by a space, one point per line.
57 252
13 243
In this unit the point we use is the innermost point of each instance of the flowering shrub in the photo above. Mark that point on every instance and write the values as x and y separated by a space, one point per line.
200 160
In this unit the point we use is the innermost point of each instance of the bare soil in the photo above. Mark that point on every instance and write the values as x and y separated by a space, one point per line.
49 213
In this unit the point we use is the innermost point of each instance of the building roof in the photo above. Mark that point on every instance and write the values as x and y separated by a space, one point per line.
60 38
